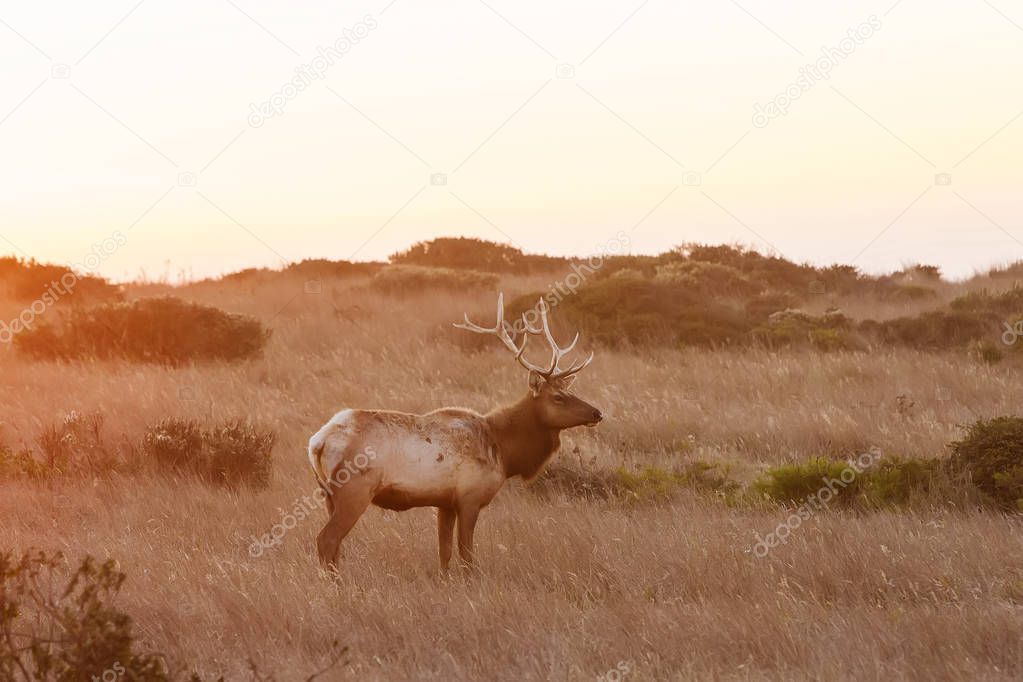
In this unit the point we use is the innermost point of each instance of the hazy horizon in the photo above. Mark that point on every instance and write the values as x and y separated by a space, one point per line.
549 128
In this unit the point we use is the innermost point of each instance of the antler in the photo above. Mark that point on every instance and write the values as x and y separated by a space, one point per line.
552 373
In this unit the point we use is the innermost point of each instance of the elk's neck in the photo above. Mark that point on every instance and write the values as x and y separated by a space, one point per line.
523 442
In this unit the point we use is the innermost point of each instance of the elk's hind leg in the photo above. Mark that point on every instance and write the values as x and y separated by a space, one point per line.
348 502
468 512
445 534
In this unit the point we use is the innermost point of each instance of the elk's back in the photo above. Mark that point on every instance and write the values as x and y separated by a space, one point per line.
418 460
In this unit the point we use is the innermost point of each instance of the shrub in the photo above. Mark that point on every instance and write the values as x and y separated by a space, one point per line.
831 331
930 273
841 279
709 477
934 330
246 276
711 279
769 271
991 454
895 481
974 300
28 280
56 627
20 464
76 445
907 292
161 330
587 483
647 484
227 454
639 266
233 452
791 483
654 483
888 482
1006 303
410 279
760 307
988 352
320 267
635 310
52 628
464 253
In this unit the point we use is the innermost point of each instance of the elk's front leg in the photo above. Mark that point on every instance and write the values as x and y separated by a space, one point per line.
445 534
467 515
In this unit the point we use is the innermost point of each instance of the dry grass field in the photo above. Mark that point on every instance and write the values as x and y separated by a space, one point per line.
570 587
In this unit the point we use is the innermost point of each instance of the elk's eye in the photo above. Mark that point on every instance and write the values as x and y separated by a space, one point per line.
559 399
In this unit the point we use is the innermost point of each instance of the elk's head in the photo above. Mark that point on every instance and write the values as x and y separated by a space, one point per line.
554 405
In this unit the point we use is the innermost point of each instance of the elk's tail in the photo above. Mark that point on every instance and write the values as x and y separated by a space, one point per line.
316 446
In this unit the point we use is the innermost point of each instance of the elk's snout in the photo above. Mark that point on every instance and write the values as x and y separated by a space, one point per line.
597 417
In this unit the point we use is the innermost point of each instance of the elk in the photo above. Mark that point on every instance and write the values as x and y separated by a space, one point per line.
454 459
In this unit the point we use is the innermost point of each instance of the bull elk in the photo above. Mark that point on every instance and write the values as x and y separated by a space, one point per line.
454 459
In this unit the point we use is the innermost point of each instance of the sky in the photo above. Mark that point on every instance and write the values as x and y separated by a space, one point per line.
198 138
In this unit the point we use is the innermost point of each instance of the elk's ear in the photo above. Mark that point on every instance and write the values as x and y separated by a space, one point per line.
536 383
566 383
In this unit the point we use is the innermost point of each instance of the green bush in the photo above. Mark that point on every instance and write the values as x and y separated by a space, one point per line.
412 279
991 454
161 330
655 483
709 477
791 483
887 482
227 454
896 482
67 629
647 484
650 483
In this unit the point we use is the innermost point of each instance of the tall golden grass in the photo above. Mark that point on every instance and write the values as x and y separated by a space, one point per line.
569 588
